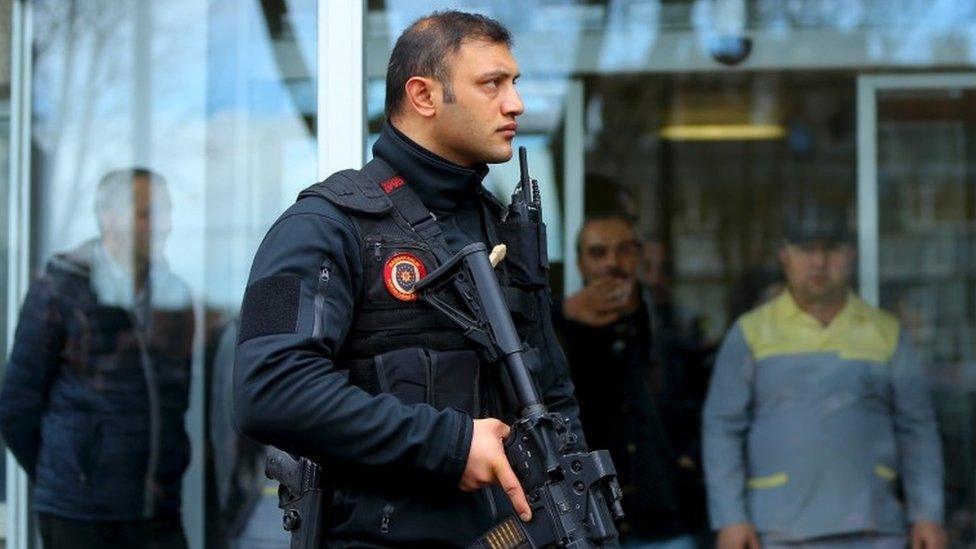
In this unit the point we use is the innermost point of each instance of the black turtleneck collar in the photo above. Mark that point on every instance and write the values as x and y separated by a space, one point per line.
442 185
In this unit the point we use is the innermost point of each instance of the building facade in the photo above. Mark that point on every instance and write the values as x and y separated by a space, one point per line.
709 118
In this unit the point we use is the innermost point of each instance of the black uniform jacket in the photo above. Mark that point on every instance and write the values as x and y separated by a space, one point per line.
291 393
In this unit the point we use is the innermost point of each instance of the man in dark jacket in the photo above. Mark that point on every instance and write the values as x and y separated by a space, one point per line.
93 400
338 360
640 388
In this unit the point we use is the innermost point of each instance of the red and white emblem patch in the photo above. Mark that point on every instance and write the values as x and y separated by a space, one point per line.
401 274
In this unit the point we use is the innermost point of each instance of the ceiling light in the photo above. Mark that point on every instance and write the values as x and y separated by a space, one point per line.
722 132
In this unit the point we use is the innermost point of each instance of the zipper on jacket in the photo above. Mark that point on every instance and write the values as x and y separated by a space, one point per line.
385 519
86 457
325 274
155 421
377 245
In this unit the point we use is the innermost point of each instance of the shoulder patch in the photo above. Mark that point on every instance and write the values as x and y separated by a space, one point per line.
392 184
352 191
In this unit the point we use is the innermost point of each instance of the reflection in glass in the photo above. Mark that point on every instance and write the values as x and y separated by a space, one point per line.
6 9
927 192
219 97
96 389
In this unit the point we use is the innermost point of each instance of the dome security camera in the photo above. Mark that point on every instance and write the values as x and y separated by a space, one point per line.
730 50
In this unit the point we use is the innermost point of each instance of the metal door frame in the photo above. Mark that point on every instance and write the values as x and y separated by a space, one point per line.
341 118
868 86
18 527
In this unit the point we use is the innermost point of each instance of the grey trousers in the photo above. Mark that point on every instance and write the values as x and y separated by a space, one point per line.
847 541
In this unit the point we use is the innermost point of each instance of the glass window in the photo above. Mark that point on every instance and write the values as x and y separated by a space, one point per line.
927 225
165 140
726 133
6 8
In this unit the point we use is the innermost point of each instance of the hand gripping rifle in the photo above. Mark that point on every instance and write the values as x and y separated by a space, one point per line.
573 494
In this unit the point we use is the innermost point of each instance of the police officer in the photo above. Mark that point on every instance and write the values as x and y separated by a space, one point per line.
818 413
339 360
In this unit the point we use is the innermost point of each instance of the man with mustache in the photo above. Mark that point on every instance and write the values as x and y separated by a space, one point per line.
632 375
818 428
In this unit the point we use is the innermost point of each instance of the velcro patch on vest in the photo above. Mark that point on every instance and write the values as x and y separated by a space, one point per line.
270 307
401 274
392 184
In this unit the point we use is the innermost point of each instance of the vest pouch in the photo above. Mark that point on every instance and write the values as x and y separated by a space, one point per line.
456 381
443 379
526 260
403 373
394 517
522 305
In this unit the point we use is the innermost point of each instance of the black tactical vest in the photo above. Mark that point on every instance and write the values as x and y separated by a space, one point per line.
399 344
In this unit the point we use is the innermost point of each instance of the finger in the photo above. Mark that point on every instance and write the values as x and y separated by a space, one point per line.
608 318
917 542
604 283
753 541
513 489
601 296
502 430
604 321
598 320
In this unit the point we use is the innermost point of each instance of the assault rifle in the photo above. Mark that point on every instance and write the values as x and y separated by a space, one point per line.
574 495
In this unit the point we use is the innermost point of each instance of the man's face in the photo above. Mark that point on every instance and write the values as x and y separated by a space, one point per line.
608 247
818 271
478 126
140 225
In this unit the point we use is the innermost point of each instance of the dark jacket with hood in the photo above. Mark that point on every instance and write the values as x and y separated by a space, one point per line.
395 460
95 391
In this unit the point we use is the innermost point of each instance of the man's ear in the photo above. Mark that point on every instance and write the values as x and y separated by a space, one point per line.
422 95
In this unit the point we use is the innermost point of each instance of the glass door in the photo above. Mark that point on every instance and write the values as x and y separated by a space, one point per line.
917 206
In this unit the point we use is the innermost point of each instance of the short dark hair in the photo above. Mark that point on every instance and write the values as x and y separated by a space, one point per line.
425 47
604 196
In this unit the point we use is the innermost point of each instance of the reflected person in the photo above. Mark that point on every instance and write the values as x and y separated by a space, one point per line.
93 402
818 427
634 376
247 498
